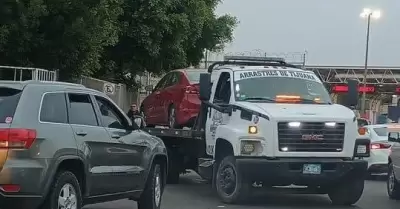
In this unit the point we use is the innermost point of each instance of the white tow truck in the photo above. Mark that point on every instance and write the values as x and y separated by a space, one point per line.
267 123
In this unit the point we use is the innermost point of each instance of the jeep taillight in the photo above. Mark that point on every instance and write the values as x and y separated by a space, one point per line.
191 90
16 138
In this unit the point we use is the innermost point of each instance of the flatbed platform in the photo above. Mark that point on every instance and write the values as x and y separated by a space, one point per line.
176 133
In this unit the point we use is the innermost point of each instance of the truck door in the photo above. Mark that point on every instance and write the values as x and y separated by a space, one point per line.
221 94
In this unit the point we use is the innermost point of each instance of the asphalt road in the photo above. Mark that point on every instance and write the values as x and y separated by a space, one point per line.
192 193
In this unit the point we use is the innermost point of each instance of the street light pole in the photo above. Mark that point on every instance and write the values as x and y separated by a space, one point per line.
364 94
367 13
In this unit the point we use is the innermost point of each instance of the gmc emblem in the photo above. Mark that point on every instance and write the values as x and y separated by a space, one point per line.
312 137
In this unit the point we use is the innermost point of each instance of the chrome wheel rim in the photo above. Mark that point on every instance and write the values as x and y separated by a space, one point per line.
157 190
67 198
391 181
172 117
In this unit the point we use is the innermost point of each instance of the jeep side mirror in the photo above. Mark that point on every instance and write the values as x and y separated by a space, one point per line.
352 94
205 86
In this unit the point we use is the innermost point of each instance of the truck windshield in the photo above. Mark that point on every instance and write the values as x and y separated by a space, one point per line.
268 85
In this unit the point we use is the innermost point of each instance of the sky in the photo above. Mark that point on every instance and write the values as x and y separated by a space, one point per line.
331 31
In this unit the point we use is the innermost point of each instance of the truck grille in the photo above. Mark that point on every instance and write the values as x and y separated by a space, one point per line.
311 137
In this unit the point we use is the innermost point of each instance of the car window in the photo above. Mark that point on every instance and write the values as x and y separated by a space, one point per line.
223 90
81 111
173 79
170 80
54 108
110 115
9 99
194 76
162 82
382 131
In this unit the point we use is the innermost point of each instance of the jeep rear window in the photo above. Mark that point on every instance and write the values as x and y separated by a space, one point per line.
9 99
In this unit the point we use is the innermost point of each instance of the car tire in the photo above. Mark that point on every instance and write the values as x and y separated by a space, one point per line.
172 117
152 194
65 185
392 185
347 193
228 191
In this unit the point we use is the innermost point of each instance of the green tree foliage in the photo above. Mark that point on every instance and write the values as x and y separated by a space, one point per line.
160 35
68 35
110 38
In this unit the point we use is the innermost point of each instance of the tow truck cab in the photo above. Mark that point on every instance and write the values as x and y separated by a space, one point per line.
269 123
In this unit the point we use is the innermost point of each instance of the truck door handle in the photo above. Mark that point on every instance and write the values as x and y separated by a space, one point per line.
81 133
115 136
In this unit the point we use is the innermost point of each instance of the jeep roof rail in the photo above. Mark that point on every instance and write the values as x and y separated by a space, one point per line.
254 59
250 61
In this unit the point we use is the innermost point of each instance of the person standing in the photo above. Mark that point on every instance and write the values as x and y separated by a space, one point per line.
133 111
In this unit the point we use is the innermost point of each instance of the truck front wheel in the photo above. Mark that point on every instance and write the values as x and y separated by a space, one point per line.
348 192
230 184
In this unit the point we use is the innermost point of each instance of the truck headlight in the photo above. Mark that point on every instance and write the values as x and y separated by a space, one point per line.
362 148
250 147
253 130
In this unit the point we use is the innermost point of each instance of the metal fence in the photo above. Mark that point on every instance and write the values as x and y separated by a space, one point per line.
14 73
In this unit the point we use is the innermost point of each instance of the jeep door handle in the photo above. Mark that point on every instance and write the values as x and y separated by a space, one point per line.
115 136
81 133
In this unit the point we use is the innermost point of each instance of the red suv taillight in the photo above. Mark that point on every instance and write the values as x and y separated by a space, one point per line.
380 146
191 90
16 138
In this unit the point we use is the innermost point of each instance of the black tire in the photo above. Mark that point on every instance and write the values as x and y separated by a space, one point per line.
63 179
233 192
173 168
148 199
392 185
172 117
348 192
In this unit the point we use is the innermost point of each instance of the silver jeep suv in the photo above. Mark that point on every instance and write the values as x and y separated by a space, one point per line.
63 146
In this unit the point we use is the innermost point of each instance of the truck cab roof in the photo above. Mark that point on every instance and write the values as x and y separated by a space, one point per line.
266 67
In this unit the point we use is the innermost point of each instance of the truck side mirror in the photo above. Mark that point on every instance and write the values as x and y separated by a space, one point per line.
352 94
393 137
205 86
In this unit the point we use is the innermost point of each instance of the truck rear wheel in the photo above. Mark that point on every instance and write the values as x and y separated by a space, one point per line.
230 184
348 192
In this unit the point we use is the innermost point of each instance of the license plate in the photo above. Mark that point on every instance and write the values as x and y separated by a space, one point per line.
312 169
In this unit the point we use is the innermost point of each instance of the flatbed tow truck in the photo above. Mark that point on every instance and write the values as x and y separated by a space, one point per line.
265 122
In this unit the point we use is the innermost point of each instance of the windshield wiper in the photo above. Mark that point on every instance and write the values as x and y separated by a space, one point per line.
259 99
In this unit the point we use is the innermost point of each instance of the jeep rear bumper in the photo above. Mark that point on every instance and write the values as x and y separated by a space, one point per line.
19 201
287 171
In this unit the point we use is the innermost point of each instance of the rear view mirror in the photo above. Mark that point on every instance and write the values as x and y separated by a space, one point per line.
205 86
352 94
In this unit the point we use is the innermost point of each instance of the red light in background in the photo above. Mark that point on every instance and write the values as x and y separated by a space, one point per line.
345 88
338 88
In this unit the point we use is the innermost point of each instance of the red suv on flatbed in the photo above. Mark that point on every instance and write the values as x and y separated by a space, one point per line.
174 101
